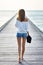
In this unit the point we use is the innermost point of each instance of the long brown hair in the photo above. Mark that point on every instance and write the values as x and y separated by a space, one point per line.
21 14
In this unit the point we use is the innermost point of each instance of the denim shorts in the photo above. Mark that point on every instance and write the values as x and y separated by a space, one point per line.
24 35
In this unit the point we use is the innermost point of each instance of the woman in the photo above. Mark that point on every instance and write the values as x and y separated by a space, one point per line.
22 26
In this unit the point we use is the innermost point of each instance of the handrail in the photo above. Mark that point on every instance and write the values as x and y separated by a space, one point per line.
4 25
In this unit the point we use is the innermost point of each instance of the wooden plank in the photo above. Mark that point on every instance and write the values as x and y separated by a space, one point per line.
8 46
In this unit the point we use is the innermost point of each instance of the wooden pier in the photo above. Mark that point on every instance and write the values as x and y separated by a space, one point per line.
8 46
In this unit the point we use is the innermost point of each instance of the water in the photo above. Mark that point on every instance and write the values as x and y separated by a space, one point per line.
36 16
6 15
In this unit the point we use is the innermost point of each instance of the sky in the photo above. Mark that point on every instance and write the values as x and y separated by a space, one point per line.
19 4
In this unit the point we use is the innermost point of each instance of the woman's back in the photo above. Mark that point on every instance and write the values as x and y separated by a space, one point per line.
22 25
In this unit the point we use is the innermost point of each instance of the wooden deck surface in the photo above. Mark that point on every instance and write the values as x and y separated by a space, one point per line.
8 46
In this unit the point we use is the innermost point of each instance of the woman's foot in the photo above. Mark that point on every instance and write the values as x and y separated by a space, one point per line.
19 60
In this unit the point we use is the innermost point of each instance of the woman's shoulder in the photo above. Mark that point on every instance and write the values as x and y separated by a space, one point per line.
26 19
18 18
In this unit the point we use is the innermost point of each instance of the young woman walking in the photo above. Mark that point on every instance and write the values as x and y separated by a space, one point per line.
22 26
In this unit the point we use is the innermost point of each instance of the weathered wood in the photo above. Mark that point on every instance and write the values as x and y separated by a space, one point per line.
9 50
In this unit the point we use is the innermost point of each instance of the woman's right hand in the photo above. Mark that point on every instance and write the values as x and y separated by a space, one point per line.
27 33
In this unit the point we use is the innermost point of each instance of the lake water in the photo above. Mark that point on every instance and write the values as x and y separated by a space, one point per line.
36 16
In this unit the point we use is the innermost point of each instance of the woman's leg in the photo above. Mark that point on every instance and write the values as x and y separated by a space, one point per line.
23 46
19 47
